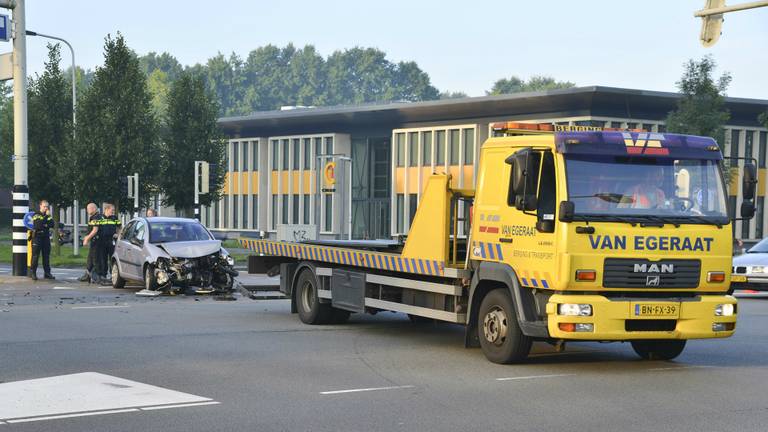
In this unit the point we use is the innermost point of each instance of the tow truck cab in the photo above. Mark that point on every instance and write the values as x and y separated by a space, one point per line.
615 235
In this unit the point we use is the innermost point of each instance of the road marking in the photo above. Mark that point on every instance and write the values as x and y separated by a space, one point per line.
62 288
100 307
678 368
533 377
333 392
179 405
85 394
63 416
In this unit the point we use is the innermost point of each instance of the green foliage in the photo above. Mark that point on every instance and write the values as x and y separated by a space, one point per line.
271 77
117 132
50 129
192 134
159 85
6 136
535 83
452 95
701 109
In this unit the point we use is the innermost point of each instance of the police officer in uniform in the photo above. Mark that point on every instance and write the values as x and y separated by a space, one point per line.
109 227
94 218
41 240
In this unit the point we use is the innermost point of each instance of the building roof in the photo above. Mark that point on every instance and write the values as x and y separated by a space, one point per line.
577 101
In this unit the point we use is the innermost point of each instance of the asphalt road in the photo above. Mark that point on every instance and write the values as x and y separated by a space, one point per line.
255 367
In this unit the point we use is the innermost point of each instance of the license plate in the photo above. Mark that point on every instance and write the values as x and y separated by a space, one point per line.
738 278
656 309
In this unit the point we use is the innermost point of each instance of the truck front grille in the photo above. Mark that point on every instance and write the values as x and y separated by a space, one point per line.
643 273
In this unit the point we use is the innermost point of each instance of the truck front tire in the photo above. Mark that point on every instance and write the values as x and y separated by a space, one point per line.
658 349
500 336
310 310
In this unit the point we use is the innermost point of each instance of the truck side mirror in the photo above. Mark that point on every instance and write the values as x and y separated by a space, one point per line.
747 209
567 209
521 166
748 181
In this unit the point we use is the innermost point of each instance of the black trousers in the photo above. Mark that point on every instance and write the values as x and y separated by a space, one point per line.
104 251
41 244
90 263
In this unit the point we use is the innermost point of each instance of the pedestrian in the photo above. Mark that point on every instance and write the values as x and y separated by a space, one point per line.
151 212
109 228
93 226
41 240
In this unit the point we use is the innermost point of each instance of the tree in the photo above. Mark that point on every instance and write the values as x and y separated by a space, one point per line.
6 136
453 95
163 62
50 129
158 85
192 134
535 83
701 108
117 132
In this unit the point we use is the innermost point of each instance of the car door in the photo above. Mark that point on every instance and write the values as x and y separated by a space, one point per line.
122 250
134 254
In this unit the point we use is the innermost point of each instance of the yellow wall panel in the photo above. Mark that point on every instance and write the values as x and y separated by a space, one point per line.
295 176
399 180
468 171
454 171
308 182
225 188
761 182
425 173
235 183
284 185
274 183
413 180
254 183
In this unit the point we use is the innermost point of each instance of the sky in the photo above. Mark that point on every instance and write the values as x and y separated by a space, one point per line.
463 46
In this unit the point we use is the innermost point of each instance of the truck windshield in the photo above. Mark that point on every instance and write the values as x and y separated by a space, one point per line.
632 189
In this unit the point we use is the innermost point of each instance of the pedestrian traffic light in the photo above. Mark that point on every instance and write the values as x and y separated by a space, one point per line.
123 185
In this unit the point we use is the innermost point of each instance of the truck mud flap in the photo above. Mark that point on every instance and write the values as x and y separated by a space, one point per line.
348 290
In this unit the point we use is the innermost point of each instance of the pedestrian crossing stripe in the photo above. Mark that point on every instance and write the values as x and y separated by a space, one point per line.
376 260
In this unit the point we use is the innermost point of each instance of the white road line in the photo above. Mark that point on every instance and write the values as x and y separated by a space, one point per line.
533 377
62 416
100 307
678 368
194 404
333 392
62 288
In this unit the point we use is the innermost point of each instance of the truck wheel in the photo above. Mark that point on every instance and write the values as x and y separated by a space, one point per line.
117 280
658 349
500 336
311 311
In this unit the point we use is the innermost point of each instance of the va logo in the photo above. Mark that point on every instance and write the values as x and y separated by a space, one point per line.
646 143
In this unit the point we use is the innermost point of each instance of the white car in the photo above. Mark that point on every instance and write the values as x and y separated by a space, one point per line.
750 270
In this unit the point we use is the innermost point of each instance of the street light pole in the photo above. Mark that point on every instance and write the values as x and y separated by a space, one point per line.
75 209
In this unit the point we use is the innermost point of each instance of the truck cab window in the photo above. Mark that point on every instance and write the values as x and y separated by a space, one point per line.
546 197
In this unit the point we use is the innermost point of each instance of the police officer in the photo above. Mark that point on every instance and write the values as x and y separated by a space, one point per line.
41 240
109 227
94 218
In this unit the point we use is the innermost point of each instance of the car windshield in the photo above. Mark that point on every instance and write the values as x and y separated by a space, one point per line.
176 231
761 247
633 188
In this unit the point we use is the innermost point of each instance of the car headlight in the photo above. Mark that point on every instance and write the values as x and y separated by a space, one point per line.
230 260
757 269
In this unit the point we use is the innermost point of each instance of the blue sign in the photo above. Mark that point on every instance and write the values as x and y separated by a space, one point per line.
5 28
28 220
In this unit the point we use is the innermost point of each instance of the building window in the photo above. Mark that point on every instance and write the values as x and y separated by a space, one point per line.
275 154
453 147
413 203
399 209
413 149
631 125
759 217
306 208
329 212
286 156
245 156
235 211
318 146
426 148
307 153
244 201
255 156
274 212
295 212
761 149
225 221
662 128
440 148
329 145
646 127
469 146
255 208
296 154
735 143
616 125
400 149
284 208
235 159
749 139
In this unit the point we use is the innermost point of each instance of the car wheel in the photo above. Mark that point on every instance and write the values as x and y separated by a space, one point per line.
658 349
117 280
149 278
500 336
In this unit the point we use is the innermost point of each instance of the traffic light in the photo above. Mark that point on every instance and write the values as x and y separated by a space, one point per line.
204 177
124 186
711 25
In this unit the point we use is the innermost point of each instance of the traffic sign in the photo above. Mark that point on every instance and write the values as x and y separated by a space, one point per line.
28 220
5 28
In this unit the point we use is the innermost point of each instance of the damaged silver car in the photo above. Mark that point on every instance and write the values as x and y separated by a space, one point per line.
171 255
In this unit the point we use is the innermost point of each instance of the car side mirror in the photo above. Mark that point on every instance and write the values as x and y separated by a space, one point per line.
748 181
567 209
747 209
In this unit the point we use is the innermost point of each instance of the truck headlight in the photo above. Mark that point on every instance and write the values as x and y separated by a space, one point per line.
573 309
726 309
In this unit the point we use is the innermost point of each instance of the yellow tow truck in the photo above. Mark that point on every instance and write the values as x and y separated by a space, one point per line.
575 234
